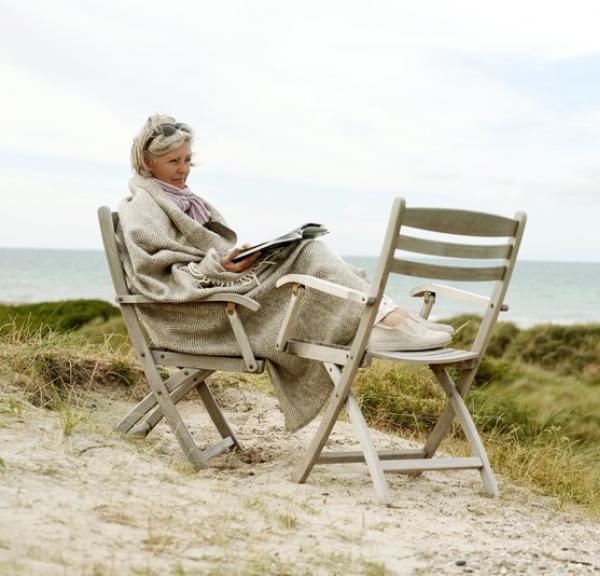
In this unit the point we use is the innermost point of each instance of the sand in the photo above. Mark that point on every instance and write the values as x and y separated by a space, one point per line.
98 503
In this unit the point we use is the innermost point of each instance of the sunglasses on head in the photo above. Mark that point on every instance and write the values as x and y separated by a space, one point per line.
167 129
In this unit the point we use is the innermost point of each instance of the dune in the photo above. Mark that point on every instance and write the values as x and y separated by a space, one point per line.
78 498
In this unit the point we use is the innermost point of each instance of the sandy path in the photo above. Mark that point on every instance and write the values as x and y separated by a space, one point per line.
99 504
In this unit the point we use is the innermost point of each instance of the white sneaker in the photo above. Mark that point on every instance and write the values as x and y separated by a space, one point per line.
409 335
432 325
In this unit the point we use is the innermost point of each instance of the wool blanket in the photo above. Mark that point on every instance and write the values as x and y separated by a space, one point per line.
170 257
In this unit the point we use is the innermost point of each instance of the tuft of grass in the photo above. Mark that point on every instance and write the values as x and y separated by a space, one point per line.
370 568
71 412
49 366
288 520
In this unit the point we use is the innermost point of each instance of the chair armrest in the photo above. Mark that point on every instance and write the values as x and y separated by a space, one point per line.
325 286
457 293
221 297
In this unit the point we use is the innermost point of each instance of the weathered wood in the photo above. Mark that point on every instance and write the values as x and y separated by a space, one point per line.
355 456
149 401
433 289
357 350
344 363
107 223
324 286
334 354
145 427
364 437
216 414
167 394
482 339
241 338
223 298
457 403
423 464
290 314
218 448
457 273
461 222
428 302
366 442
499 293
451 249
181 360
172 416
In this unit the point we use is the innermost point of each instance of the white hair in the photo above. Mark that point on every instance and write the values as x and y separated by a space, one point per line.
153 142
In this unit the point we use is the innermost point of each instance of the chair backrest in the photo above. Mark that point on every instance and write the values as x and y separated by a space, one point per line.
108 225
462 254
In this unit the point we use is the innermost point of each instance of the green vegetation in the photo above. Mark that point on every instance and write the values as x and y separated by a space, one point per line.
54 363
54 316
567 350
536 397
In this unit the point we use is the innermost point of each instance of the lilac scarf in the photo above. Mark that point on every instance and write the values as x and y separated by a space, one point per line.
187 202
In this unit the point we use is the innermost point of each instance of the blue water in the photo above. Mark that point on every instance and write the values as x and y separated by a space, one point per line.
540 292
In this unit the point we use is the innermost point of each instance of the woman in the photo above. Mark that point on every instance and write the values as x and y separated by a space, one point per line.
178 248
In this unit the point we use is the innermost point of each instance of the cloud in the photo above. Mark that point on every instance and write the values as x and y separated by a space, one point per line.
337 105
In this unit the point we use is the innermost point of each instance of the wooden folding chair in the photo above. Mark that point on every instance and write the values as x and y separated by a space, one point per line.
192 369
342 364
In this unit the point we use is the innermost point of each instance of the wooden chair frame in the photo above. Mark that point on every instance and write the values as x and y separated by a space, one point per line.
342 364
192 369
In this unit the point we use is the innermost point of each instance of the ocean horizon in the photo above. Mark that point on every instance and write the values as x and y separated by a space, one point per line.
541 292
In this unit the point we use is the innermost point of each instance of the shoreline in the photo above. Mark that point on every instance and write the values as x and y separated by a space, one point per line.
520 323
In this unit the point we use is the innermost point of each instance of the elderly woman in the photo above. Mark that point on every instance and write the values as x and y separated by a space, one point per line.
176 247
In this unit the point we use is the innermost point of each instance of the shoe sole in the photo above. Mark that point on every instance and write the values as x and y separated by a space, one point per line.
389 347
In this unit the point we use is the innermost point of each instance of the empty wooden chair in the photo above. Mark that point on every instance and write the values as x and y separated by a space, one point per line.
191 369
342 364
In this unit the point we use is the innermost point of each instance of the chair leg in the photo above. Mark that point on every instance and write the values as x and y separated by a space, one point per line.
315 448
188 382
439 431
216 414
459 407
173 418
176 388
445 421
370 452
149 402
366 441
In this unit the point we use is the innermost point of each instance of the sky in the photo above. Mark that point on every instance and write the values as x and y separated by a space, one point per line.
318 111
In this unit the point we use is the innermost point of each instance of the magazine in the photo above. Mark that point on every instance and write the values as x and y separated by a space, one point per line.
308 230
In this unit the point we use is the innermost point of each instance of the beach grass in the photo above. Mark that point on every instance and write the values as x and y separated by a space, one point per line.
61 316
536 398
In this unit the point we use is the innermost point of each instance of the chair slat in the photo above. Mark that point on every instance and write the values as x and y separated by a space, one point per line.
335 354
356 456
225 363
419 465
463 222
451 250
458 273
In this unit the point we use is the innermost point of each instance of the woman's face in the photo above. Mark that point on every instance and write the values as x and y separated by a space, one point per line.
172 167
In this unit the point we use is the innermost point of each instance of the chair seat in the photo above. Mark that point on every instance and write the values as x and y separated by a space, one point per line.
340 354
440 356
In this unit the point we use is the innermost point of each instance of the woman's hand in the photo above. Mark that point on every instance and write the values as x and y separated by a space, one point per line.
238 266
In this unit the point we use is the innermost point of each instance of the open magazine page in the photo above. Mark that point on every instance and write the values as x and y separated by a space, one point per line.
308 230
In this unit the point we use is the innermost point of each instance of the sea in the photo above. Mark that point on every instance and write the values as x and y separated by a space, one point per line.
540 292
